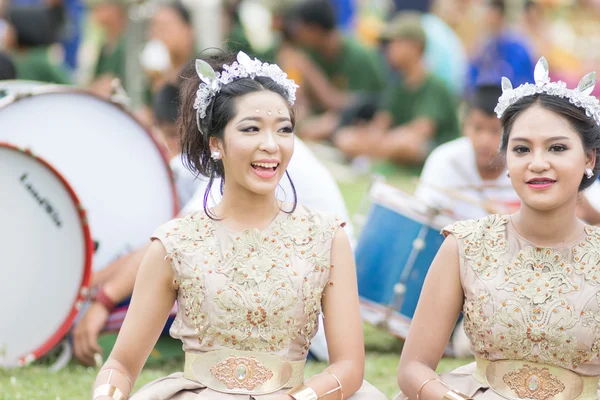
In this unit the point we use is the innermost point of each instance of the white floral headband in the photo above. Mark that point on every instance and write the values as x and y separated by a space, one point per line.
580 96
244 67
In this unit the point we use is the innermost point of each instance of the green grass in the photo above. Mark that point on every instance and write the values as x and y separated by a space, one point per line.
75 381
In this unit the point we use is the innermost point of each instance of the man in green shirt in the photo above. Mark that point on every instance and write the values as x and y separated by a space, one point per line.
417 112
350 68
31 52
111 17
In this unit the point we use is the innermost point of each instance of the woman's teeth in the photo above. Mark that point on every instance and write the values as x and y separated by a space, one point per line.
265 165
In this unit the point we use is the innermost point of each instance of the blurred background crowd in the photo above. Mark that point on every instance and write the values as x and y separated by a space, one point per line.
366 68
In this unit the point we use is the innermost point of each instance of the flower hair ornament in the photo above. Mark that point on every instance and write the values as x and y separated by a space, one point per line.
579 97
212 82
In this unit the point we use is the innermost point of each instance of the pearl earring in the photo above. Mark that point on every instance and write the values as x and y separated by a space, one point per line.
589 173
507 174
216 155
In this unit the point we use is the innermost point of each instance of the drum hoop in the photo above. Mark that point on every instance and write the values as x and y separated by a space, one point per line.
84 285
61 89
437 222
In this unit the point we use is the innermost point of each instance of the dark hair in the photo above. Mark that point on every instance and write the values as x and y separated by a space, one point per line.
499 5
318 13
585 126
182 12
7 68
485 98
195 140
165 104
530 5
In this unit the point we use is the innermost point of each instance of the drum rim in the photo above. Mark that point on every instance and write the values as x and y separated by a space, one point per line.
84 286
46 89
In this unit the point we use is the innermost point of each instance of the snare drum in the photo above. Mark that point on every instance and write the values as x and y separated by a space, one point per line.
112 162
395 249
46 257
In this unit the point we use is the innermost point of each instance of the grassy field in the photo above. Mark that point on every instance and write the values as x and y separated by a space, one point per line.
75 381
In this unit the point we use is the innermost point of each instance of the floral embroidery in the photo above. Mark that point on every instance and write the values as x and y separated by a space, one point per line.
312 309
258 295
536 333
591 321
537 308
484 242
586 256
265 288
538 275
477 324
534 317
192 298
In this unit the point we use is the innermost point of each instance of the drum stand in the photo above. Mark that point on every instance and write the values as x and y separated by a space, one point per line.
400 288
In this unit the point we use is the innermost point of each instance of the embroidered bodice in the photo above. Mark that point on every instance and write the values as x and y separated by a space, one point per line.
253 290
526 302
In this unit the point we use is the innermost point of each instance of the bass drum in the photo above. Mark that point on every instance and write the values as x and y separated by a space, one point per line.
113 163
46 257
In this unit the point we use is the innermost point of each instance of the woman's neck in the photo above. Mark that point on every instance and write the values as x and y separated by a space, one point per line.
243 209
549 228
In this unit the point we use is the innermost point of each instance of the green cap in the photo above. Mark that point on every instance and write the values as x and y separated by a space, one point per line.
405 26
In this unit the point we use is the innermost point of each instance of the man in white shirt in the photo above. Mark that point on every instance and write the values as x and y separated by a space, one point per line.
315 187
466 176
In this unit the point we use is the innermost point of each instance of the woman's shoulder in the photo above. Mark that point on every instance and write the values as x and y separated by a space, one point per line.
304 213
195 225
477 227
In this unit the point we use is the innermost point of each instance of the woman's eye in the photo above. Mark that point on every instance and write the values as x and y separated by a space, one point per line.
250 129
287 129
558 147
520 149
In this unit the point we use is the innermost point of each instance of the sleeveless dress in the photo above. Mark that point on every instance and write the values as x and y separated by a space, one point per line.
253 292
532 313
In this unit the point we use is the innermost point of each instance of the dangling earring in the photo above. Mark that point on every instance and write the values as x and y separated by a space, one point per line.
216 155
589 173
507 174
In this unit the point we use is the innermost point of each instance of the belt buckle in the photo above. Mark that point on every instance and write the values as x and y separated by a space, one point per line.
241 372
532 381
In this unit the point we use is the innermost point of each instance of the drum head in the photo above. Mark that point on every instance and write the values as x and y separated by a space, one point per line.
46 257
114 165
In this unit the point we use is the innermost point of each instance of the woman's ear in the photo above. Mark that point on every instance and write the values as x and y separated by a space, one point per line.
591 159
215 145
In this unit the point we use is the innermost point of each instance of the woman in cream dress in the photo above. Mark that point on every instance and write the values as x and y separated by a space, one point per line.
250 275
528 283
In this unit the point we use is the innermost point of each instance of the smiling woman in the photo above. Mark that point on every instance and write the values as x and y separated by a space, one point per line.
526 283
246 111
252 274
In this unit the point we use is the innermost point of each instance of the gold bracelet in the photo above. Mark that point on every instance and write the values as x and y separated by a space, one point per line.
337 388
455 395
303 392
109 390
423 385
124 376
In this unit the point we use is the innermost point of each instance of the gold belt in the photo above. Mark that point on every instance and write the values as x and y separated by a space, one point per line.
526 380
243 372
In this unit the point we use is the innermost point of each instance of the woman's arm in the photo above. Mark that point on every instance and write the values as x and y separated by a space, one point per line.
152 300
343 326
435 317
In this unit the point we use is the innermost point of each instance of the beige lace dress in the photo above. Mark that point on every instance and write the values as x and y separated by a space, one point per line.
532 313
248 305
